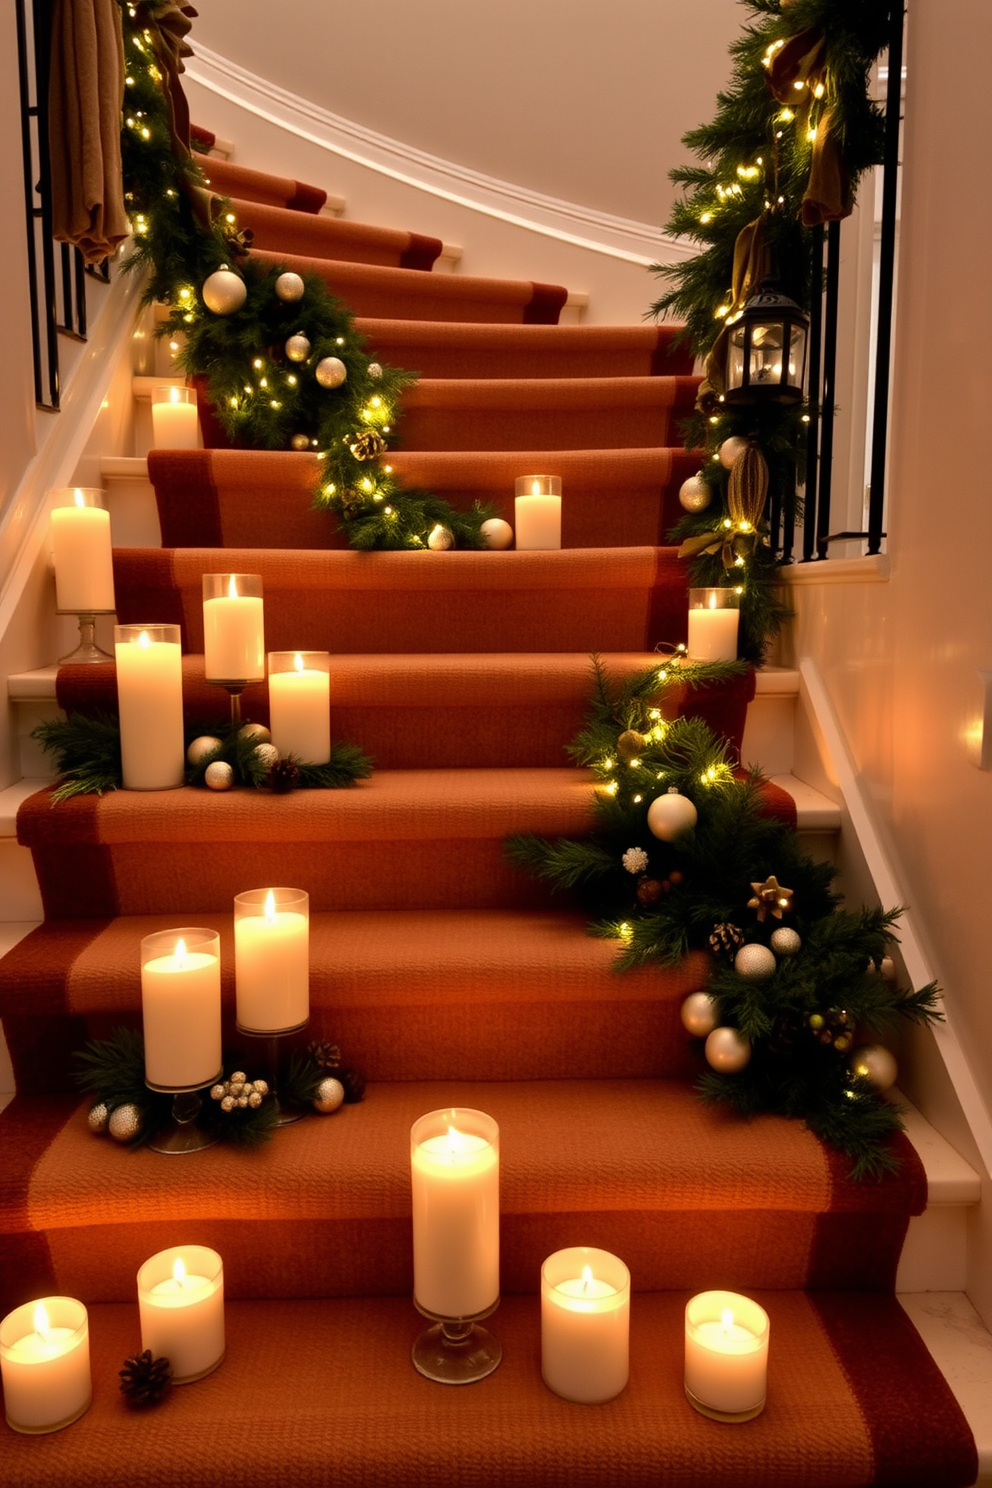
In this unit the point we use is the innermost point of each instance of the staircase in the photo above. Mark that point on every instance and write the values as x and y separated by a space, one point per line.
447 977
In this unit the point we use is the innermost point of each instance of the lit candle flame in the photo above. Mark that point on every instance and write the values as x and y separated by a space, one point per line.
270 907
41 1324
713 600
232 588
144 640
586 1277
178 1271
727 1319
181 954
173 395
298 662
79 498
535 489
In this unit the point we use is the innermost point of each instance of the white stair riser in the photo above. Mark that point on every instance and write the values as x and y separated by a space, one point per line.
935 1255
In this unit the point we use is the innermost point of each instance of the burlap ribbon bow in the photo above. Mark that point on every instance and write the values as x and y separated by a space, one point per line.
828 196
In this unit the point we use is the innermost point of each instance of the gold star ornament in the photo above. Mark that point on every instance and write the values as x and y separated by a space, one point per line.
770 898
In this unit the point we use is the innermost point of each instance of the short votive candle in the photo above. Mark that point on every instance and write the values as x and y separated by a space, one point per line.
181 1303
714 617
174 418
299 704
82 551
150 705
233 628
45 1365
726 1355
537 512
585 1324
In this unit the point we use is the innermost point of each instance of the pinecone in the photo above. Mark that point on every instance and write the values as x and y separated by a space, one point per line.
283 776
144 1379
726 940
325 1054
354 1085
367 444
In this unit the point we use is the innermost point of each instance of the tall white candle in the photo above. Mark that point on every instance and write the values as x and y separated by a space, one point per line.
45 1364
455 1174
174 419
180 1004
181 1303
272 959
537 512
585 1324
233 629
299 705
150 703
726 1355
713 624
82 552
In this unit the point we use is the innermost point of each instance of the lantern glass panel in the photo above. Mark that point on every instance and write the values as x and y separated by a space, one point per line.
735 358
797 356
766 353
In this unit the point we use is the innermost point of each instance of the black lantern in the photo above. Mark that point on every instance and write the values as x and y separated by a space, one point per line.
766 350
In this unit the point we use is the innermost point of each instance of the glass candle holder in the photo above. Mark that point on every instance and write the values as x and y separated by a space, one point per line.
299 704
726 1356
233 629
180 1005
714 620
272 960
174 418
537 512
150 703
585 1324
45 1365
181 1303
84 570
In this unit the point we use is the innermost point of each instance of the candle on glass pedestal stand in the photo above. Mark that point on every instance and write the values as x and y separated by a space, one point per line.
454 1158
233 634
180 1004
84 575
272 974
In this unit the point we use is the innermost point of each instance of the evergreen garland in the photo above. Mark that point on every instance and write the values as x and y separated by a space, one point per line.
703 891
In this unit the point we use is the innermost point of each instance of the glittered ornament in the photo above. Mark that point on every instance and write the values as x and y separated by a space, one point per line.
876 1065
754 963
630 744
267 754
770 898
144 1379
440 538
367 444
200 748
726 940
497 533
635 860
257 732
694 494
670 815
218 776
330 372
299 442
329 1095
224 292
785 941
297 348
289 287
98 1117
124 1123
730 449
727 1051
374 371
699 1014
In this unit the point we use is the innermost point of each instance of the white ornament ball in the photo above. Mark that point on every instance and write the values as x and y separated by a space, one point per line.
125 1123
440 538
670 815
331 372
727 1051
219 775
256 731
298 348
694 494
730 449
98 1117
498 534
267 753
289 287
786 941
205 744
300 442
754 963
224 291
875 1064
374 371
699 1014
330 1094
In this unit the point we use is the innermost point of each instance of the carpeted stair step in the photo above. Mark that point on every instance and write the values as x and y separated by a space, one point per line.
545 413
279 229
853 1398
688 1194
228 179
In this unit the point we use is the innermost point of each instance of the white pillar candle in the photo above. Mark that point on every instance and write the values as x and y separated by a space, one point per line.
455 1173
82 552
180 1005
174 420
537 510
181 1303
714 616
272 959
150 704
585 1324
233 632
299 704
726 1355
45 1364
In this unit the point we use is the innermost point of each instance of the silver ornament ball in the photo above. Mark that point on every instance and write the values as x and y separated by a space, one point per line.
754 963
374 371
300 442
670 815
98 1117
289 287
497 533
224 291
331 372
297 348
259 734
330 1094
267 753
204 745
730 449
727 1051
219 776
125 1123
699 1014
875 1064
440 538
695 494
785 941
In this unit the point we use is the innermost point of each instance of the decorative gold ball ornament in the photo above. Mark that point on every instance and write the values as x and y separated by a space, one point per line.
727 1051
124 1123
257 732
440 538
224 292
204 745
289 287
330 372
330 1094
670 815
300 442
694 494
297 348
267 753
374 371
754 963
873 1063
785 941
730 449
97 1117
699 1014
497 533
219 776
630 744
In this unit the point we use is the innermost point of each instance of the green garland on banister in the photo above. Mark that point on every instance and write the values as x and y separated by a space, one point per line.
795 980
263 397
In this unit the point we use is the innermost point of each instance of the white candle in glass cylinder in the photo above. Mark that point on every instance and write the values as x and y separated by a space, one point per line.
233 632
537 512
150 704
181 1303
299 708
180 1004
82 552
726 1355
714 618
272 959
455 1175
45 1364
174 418
585 1324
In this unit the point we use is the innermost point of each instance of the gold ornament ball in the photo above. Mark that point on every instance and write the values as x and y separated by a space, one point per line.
297 348
694 494
730 449
224 291
204 745
670 815
630 744
497 533
289 287
330 372
875 1064
785 941
440 538
259 734
330 1094
125 1123
300 442
755 963
699 1014
727 1051
267 753
219 776
98 1117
